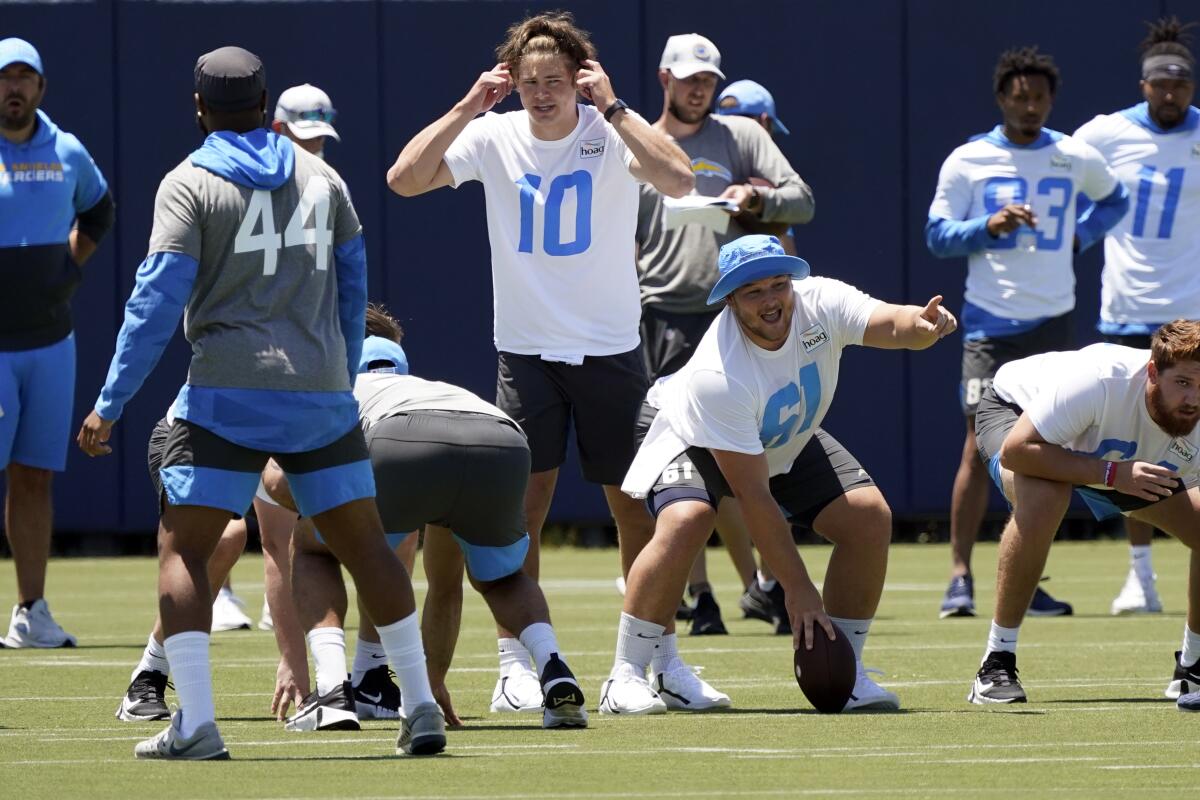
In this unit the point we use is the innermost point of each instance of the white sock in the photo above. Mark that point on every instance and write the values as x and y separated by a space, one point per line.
512 654
367 656
540 641
154 659
1002 640
635 642
665 651
764 584
856 631
402 642
1139 560
328 647
1190 653
187 653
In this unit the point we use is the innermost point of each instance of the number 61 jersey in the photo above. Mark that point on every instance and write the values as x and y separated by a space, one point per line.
562 219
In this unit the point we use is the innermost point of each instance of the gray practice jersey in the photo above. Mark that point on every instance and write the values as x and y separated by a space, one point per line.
263 310
382 395
677 268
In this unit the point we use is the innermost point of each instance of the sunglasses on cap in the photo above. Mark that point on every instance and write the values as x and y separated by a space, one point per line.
315 115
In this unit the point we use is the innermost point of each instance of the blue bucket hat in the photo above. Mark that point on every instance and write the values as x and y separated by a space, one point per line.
19 51
376 348
752 258
749 99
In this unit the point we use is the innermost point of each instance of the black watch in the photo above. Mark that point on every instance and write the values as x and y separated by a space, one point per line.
613 108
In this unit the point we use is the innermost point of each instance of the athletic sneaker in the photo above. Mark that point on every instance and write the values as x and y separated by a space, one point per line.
1186 680
35 627
996 681
959 600
1043 605
266 622
377 696
517 690
680 688
869 695
757 603
1188 702
628 692
564 698
333 711
145 699
683 612
229 612
203 745
423 732
1137 597
706 616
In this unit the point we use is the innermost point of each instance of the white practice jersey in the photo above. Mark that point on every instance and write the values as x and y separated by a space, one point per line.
1152 257
562 218
733 395
987 173
1093 401
384 394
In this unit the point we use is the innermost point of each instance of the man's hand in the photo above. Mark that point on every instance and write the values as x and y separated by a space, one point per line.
592 82
747 199
442 695
489 89
1011 217
94 434
287 691
934 320
805 610
1145 481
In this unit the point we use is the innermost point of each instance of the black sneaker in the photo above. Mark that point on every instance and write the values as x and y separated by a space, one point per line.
779 612
683 612
377 696
1186 680
145 699
996 681
1043 605
562 697
756 604
326 712
706 616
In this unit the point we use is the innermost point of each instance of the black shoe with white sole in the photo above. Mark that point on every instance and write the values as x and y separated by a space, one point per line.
1186 680
377 696
333 711
145 699
562 697
996 681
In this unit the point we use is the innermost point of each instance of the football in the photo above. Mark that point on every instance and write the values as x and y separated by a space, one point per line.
826 673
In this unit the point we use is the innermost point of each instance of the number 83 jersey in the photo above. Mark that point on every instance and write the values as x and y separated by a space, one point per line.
562 218
1150 257
989 172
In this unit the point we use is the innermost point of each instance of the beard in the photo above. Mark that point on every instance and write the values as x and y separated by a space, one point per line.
1168 419
15 122
685 116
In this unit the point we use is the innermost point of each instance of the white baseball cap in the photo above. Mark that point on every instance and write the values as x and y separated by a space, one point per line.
307 111
689 53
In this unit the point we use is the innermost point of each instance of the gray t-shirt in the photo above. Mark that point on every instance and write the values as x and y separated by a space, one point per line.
263 310
677 268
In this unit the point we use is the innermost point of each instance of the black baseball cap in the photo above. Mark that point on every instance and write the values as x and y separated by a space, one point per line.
230 79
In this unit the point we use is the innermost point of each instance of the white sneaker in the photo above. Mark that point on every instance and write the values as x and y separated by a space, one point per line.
628 692
1137 596
229 612
266 622
869 695
517 690
682 689
35 627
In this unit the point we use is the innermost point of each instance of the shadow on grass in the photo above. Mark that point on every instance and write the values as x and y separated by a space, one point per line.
1103 700
415 759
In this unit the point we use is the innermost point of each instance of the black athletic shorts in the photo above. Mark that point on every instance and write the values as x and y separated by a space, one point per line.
602 396
982 358
823 472
669 339
996 417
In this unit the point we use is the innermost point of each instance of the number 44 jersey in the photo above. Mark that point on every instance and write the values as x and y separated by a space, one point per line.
734 395
1150 258
562 218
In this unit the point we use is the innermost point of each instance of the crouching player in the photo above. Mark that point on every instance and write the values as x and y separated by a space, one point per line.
742 419
1117 425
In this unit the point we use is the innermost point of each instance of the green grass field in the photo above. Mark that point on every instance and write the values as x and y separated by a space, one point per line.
1096 724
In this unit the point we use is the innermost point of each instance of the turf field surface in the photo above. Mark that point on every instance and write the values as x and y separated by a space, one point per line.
1096 724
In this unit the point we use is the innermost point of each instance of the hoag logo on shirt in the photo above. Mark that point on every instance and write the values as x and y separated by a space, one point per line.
591 148
814 338
1060 162
1183 449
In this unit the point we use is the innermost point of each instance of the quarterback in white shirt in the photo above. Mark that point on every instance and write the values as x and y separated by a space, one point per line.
1117 425
742 418
560 180
1150 257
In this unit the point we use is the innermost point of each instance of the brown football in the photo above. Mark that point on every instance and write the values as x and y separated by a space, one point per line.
826 673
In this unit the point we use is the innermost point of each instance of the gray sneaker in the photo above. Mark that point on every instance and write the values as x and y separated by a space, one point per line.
423 732
996 681
203 745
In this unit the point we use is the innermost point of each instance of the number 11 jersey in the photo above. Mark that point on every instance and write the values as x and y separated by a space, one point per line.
562 216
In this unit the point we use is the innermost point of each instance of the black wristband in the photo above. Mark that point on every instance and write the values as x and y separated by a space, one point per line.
613 108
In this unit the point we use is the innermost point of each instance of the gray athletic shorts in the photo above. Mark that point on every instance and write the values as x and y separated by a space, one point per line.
982 358
823 472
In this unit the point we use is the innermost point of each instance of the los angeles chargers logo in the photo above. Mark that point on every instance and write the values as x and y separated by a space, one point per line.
705 167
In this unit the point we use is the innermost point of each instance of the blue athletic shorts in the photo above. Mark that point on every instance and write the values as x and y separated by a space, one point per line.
37 390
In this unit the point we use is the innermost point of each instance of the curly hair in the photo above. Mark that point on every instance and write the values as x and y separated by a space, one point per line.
553 33
381 323
1167 36
1024 61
